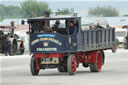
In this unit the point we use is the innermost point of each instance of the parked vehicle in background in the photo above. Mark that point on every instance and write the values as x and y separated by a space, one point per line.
17 45
125 40
121 34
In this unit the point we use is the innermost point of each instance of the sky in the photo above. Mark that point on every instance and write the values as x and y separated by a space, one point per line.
80 6
67 0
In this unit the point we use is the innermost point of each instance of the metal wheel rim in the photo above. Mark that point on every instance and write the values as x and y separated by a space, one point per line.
74 64
36 69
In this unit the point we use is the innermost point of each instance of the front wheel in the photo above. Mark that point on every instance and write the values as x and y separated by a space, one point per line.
71 64
33 66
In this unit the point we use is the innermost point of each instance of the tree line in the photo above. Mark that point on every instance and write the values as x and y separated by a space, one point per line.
103 11
29 9
10 12
33 8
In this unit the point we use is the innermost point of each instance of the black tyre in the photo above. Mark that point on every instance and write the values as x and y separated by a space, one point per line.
21 51
103 57
34 70
96 67
62 69
1 46
13 49
116 42
85 65
71 64
125 43
125 46
114 48
63 65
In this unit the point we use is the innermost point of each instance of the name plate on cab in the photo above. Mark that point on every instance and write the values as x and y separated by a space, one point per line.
46 49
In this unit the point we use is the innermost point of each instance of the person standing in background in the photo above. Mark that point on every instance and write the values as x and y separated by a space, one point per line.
7 43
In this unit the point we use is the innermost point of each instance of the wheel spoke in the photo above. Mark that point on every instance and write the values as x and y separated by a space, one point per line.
74 69
96 67
74 64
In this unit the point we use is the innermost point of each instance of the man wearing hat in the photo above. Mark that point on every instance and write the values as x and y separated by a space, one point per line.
56 25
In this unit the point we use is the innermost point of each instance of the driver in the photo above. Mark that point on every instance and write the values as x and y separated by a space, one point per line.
72 29
56 25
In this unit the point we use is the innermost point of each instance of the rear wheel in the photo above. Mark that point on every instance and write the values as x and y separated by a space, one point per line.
125 46
85 65
13 49
33 66
114 48
96 67
125 43
61 68
21 49
71 64
103 57
63 65
116 42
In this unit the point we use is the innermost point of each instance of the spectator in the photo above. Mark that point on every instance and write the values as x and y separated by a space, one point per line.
7 43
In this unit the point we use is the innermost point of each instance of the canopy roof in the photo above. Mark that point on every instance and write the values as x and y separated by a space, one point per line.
53 18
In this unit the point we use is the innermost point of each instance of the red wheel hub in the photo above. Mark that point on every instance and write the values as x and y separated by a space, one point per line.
74 64
99 62
36 65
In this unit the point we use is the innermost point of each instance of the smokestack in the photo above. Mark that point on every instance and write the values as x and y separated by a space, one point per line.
46 14
12 28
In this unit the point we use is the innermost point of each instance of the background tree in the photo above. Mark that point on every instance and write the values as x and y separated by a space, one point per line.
34 8
64 11
103 11
10 12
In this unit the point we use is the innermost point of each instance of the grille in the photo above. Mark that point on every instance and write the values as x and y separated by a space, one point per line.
120 34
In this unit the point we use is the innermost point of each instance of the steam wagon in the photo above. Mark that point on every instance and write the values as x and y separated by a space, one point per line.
16 45
59 49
